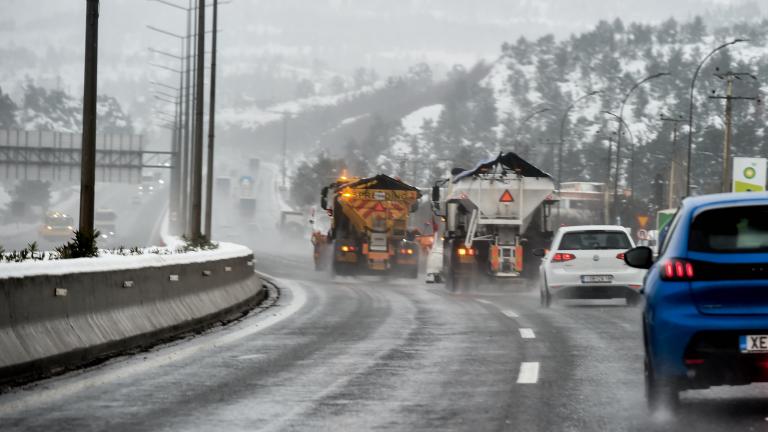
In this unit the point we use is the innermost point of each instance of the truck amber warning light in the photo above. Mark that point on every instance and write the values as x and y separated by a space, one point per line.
506 197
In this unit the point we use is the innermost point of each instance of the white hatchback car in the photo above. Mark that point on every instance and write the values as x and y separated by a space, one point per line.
588 262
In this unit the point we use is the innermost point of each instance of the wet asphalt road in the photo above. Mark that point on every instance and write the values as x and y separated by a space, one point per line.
374 354
370 354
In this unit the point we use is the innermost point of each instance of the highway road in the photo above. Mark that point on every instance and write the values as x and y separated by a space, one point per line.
364 353
137 223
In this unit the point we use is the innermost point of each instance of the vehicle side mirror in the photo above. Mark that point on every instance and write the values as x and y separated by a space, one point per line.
435 193
324 198
639 257
539 252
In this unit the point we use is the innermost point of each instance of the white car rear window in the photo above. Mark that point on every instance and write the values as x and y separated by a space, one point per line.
595 240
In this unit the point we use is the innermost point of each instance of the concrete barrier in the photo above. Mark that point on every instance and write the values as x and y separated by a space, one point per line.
59 321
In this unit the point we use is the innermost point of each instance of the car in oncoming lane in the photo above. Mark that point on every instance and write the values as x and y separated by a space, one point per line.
588 262
705 321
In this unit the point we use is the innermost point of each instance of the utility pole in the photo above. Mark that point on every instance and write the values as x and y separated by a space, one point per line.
88 151
184 156
283 164
285 147
729 77
672 195
688 184
195 231
211 124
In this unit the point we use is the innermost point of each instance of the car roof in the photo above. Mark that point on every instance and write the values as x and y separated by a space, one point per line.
592 228
725 198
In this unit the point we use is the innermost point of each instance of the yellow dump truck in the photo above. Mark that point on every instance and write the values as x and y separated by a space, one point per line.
369 226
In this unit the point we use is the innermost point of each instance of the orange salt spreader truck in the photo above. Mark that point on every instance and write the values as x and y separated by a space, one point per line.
369 226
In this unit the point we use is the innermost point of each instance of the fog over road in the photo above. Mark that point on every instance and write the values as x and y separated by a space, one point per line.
367 353
137 222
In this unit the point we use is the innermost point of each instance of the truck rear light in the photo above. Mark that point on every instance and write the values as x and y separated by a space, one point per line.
677 270
562 257
467 251
346 248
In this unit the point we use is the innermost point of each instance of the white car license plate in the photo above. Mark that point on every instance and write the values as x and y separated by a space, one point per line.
753 343
597 279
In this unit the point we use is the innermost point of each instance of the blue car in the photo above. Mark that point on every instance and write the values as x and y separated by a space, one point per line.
705 321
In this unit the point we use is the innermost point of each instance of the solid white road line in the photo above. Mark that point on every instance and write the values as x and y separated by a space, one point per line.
13 402
510 313
527 333
529 373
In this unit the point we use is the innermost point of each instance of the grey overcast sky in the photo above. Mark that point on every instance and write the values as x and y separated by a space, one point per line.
337 35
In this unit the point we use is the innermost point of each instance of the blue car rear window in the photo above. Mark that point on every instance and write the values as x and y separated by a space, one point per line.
730 230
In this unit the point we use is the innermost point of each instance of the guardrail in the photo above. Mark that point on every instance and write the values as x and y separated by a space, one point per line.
52 320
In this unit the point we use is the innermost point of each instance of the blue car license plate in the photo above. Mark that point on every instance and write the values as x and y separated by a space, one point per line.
753 344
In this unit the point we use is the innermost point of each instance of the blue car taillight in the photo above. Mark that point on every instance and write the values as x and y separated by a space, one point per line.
677 270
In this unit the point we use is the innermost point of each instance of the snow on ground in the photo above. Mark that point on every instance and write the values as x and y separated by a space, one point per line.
350 120
254 117
497 81
104 263
412 122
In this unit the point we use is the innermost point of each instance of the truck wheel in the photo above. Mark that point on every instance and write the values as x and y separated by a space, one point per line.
454 284
659 393
413 273
337 269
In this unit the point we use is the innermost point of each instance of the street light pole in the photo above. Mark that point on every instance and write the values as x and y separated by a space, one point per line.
182 158
672 185
197 153
211 125
88 150
606 195
525 121
617 171
562 134
690 110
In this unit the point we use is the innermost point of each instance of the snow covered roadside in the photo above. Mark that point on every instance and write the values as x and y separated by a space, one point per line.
108 263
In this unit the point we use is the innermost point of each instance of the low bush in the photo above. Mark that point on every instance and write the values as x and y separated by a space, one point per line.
82 245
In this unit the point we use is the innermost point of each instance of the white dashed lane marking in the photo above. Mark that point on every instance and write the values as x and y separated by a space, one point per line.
511 314
527 333
484 301
529 373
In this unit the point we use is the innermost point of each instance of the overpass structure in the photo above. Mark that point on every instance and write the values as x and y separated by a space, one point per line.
55 156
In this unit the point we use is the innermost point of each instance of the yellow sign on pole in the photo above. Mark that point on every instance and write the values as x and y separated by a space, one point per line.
642 220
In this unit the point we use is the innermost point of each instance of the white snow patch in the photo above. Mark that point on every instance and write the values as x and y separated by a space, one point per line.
412 122
117 262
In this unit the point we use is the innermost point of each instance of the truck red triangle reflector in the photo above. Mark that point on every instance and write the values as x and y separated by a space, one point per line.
506 197
379 207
